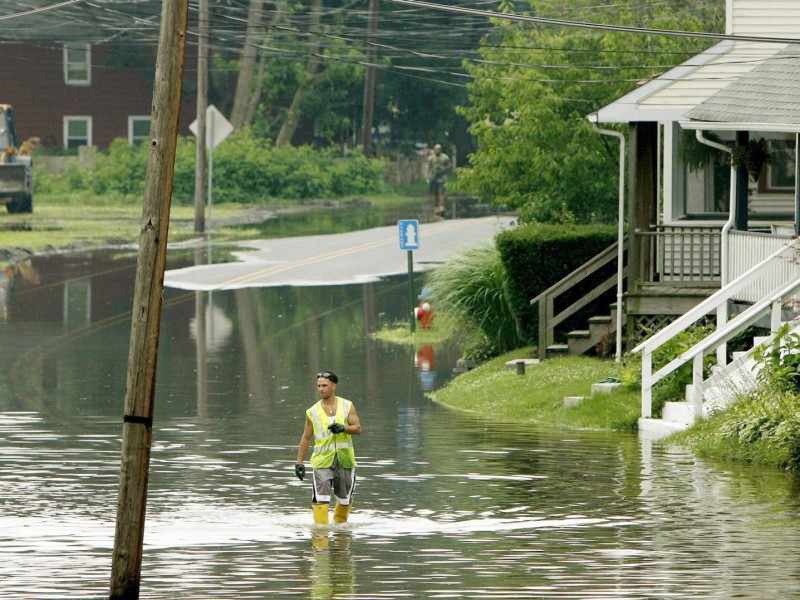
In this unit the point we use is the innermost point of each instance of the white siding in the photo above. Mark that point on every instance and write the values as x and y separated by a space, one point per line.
767 18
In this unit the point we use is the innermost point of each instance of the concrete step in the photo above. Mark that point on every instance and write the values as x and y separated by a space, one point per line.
601 320
579 334
682 413
556 350
655 429
570 401
604 387
520 365
581 341
601 326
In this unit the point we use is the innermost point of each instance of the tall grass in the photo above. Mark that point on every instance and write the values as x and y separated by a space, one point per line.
761 427
471 288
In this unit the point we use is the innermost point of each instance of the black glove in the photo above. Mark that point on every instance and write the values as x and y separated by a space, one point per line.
300 471
336 427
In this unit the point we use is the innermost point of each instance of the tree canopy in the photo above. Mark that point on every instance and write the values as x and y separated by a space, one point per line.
534 86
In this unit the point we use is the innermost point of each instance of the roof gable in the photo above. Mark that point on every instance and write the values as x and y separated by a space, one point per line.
766 95
670 96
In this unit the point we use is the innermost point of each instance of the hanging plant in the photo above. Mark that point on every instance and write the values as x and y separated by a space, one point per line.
698 156
753 156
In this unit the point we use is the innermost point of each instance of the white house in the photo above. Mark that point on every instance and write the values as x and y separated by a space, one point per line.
706 237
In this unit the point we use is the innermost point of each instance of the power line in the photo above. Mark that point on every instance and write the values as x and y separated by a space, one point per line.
34 11
595 26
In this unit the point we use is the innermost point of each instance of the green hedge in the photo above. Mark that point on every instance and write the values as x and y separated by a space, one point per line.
537 256
247 169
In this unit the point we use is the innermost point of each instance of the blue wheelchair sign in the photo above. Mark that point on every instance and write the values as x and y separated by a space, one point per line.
409 234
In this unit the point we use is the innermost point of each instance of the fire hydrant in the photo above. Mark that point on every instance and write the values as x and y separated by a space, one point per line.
424 313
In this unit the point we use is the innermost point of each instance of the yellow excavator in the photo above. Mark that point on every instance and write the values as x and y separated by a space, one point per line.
16 165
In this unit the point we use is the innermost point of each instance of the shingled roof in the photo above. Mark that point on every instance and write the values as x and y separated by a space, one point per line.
769 94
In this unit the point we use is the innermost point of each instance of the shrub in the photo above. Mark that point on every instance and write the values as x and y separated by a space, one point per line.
673 386
247 169
537 256
779 361
762 424
121 169
183 180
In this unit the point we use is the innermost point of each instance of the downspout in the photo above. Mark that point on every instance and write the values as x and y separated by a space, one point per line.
731 211
620 230
722 311
796 187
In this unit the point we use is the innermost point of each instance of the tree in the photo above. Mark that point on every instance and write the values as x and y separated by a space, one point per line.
247 67
537 83
313 75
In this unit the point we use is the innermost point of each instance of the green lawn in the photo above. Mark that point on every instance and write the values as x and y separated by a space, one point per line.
497 392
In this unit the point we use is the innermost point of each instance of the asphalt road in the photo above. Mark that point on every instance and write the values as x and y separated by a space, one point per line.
355 257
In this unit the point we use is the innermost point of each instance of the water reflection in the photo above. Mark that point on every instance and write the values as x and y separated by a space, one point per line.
447 505
331 570
425 360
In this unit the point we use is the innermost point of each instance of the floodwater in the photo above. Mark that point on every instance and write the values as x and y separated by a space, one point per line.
447 505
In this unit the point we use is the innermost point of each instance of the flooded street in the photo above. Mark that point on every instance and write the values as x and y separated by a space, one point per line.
447 505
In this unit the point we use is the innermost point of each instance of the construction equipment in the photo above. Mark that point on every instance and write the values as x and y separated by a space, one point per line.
16 181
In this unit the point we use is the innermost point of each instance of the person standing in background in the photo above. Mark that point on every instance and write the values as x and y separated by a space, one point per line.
439 166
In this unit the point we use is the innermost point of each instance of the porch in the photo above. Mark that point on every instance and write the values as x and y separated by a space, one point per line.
677 267
669 269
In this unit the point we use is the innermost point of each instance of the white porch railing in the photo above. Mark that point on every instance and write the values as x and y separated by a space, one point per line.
757 277
747 248
679 255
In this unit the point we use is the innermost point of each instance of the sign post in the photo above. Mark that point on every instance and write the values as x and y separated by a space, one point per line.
217 129
409 241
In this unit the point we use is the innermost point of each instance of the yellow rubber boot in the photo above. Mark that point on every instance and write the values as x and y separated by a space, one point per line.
341 512
320 513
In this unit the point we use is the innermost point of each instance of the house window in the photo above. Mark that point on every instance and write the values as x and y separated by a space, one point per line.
77 132
780 169
77 64
138 130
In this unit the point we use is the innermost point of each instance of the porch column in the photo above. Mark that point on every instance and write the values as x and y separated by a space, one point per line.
742 182
642 209
642 196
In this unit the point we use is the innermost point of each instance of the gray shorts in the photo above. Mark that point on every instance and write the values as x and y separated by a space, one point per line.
336 479
436 186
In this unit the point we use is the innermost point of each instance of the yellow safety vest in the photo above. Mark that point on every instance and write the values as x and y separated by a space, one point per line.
328 446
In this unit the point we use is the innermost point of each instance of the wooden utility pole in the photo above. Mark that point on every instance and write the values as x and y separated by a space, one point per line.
146 320
202 105
369 79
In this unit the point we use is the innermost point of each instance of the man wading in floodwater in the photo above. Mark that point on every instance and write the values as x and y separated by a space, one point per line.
330 423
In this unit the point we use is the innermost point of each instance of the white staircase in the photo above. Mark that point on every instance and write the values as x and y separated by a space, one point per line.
705 395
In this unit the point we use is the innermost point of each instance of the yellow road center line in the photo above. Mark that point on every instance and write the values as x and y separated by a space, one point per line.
275 269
